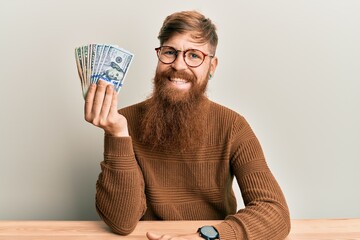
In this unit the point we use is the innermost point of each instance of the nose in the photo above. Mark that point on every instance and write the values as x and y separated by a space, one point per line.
179 63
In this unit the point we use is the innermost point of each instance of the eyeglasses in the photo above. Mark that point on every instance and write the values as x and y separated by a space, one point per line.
192 57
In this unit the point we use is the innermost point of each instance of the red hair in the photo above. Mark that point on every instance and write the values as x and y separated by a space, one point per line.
201 28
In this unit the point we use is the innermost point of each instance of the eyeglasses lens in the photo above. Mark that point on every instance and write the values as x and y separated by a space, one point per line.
192 57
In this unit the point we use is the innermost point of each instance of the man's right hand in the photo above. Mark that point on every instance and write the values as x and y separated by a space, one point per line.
101 109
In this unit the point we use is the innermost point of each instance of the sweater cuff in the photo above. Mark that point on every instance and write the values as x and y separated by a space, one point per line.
226 231
119 153
118 146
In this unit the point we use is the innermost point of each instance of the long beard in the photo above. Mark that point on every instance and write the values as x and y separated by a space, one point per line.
175 119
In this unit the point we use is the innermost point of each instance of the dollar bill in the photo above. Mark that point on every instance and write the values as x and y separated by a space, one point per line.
115 66
105 62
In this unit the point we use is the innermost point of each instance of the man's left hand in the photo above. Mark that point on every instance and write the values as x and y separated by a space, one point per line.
155 236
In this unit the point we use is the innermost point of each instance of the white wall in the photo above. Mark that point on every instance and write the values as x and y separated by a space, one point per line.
290 67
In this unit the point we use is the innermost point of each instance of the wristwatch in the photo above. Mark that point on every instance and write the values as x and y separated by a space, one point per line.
208 233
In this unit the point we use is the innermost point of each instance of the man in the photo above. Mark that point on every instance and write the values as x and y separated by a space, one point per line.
174 156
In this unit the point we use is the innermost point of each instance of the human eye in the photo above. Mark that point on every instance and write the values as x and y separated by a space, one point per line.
194 54
169 51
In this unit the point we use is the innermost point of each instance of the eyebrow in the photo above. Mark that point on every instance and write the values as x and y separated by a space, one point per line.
182 50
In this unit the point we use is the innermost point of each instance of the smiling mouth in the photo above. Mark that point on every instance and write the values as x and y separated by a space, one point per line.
178 80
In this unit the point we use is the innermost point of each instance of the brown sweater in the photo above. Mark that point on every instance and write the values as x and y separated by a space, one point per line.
140 183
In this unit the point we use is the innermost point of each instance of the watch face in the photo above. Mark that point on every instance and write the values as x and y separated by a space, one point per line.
209 232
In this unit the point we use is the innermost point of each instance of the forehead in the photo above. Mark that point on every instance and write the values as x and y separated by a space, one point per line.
183 41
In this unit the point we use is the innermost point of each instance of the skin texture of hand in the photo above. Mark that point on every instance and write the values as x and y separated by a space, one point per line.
101 110
156 236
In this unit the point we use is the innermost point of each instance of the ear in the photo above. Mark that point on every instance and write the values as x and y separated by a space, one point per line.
213 65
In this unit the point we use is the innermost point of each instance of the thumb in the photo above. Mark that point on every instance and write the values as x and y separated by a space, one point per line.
152 236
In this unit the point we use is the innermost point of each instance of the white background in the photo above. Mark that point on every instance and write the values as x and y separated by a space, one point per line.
292 68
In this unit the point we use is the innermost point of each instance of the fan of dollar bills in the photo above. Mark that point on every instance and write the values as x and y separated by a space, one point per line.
102 62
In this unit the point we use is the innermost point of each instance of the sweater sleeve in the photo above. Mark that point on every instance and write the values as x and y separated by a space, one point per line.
120 197
266 215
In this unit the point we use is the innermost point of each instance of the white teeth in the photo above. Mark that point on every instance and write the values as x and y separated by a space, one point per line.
178 80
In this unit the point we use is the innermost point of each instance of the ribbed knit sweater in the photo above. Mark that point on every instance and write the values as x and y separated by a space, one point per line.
138 182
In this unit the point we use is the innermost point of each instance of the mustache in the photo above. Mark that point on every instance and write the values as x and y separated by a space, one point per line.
171 73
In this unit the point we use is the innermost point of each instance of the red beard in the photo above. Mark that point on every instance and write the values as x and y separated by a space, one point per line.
176 96
175 119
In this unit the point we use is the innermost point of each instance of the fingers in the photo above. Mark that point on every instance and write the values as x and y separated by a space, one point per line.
113 107
89 102
108 101
155 236
100 100
152 236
